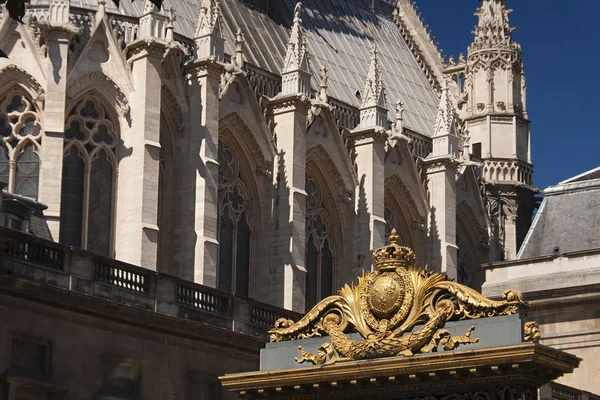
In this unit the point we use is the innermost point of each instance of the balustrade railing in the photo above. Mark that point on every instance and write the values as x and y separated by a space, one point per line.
122 277
25 256
203 299
36 253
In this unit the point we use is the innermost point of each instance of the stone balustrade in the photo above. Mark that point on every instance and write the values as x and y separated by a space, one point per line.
28 257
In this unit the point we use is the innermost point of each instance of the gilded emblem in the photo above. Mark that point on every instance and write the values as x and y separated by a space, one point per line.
385 295
385 308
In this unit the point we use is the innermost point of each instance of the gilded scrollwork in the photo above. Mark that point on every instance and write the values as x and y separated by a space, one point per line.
385 307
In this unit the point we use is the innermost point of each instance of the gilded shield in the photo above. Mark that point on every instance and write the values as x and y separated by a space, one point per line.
386 296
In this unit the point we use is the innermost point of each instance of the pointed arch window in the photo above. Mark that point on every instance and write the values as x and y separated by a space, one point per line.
89 178
235 232
319 250
20 134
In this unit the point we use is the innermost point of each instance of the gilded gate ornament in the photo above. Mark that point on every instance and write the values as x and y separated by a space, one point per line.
386 305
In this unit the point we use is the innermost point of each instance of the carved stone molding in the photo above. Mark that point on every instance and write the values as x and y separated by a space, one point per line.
397 186
330 170
246 138
13 74
98 81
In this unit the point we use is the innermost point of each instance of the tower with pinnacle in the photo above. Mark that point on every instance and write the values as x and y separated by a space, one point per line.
492 104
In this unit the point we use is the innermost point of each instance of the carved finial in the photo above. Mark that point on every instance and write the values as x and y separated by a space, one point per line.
461 58
324 78
374 93
373 96
239 49
296 62
296 56
445 125
208 37
209 18
101 11
492 30
171 18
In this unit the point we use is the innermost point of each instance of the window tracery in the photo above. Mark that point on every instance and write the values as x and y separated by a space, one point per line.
20 131
89 178
234 226
319 249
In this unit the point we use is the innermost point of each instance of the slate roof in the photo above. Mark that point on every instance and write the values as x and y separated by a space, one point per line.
339 34
569 217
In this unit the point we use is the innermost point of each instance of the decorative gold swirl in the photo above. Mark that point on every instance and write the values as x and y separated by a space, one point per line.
386 305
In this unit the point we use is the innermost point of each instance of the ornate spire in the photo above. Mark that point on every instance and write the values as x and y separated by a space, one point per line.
444 121
324 78
373 111
209 40
295 74
374 93
239 49
493 30
445 136
296 56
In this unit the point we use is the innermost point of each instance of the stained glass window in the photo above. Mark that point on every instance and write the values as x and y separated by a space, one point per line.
319 253
235 233
71 207
100 205
88 184
28 172
20 132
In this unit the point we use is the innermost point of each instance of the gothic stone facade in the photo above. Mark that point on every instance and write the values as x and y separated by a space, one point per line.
266 151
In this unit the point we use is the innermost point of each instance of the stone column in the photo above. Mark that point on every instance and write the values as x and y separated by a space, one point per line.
198 188
369 145
289 211
441 176
57 34
137 227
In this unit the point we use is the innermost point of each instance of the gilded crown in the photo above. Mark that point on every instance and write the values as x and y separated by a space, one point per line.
393 255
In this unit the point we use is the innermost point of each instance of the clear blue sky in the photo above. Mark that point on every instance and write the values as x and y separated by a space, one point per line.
561 53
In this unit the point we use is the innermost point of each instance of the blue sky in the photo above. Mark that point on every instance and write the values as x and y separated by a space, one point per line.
561 53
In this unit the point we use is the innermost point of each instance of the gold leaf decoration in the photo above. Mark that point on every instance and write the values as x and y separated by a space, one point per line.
386 305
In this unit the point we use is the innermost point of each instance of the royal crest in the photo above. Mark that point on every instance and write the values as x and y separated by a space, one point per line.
386 307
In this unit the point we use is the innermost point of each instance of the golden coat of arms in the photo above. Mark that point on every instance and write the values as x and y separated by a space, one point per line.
398 309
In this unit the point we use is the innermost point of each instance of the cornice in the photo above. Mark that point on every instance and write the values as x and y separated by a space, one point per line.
439 164
361 136
150 47
529 364
285 103
202 68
